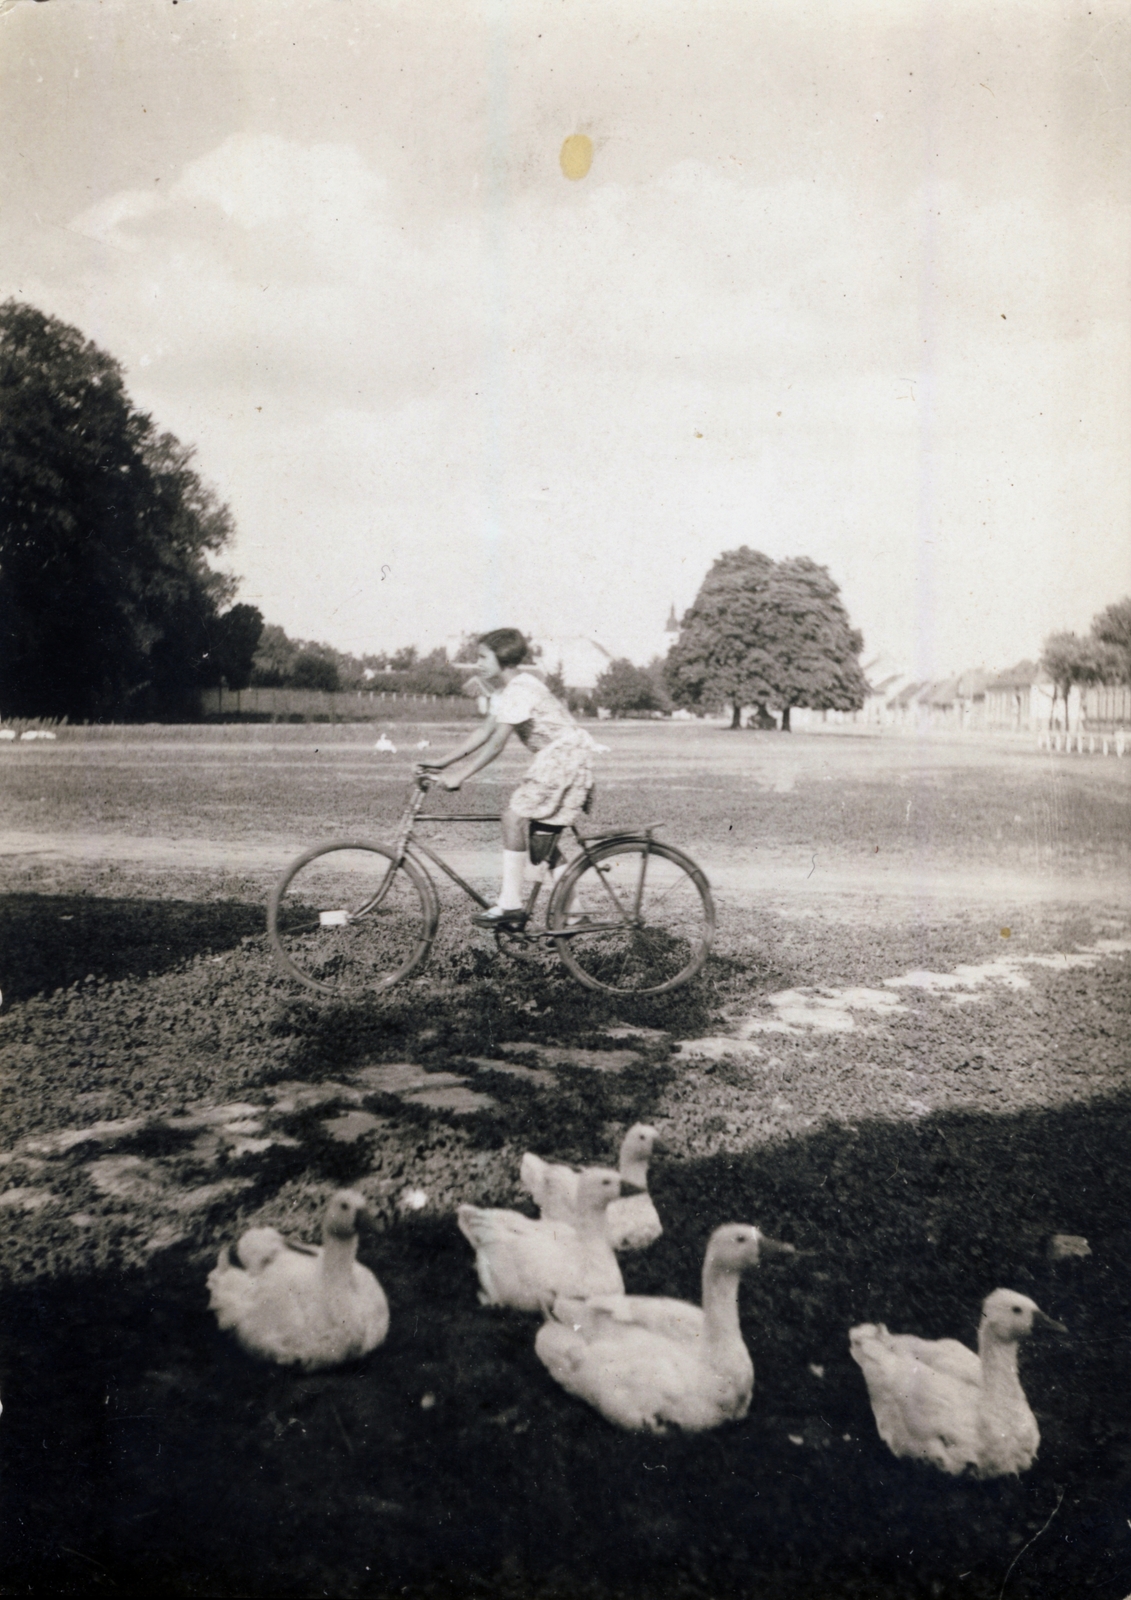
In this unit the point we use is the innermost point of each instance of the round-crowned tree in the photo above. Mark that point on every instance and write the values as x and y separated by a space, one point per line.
767 634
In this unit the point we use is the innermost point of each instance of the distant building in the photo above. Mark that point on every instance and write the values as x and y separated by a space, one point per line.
578 658
665 639
1022 698
886 680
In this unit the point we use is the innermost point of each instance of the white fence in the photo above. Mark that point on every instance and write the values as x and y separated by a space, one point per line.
1091 744
342 705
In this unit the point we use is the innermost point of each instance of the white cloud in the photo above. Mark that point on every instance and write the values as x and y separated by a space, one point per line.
109 221
261 179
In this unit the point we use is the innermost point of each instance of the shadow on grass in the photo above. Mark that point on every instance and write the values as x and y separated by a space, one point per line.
144 1453
53 941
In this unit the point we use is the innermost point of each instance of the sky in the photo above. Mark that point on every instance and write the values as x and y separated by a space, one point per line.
847 280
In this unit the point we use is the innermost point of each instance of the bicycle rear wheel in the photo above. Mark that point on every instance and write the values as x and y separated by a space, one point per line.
346 919
637 917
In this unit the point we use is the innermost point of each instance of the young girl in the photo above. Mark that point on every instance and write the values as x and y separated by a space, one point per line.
557 782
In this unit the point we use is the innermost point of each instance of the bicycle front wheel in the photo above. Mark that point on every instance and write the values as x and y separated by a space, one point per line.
635 917
346 919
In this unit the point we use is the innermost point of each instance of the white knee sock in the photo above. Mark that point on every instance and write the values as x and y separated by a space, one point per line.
514 870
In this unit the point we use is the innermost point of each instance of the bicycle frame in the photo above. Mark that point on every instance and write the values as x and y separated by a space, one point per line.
407 844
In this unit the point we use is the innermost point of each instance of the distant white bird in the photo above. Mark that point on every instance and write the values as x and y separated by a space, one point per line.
649 1363
298 1304
935 1400
525 1264
422 744
632 1222
7 733
386 744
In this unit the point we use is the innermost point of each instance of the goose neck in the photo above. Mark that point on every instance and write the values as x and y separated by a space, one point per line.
590 1224
634 1169
338 1256
720 1303
999 1363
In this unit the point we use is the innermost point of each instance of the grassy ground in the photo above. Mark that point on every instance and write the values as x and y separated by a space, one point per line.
922 1156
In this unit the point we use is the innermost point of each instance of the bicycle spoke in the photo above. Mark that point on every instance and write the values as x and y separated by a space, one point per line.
664 939
602 877
347 919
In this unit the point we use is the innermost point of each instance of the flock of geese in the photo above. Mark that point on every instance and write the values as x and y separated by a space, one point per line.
645 1362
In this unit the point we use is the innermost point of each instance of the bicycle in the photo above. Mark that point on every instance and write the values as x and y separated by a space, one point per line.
626 914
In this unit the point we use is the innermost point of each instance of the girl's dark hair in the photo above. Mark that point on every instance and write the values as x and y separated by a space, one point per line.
508 645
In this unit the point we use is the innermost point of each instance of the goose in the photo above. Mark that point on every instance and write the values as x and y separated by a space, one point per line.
935 1400
649 1363
632 1222
300 1304
526 1263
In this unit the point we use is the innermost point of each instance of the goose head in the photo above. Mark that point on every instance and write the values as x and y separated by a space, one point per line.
345 1214
1009 1317
258 1247
737 1246
636 1151
596 1187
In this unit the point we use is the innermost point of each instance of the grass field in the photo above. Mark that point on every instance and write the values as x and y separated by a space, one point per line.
843 793
165 1086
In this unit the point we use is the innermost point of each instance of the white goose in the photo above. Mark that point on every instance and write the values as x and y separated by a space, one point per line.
632 1222
935 1400
648 1363
525 1264
301 1304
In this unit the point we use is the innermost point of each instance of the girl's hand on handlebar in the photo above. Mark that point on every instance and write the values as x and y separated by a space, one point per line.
451 782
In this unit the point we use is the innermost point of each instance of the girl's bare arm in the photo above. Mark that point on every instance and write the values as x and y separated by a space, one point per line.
478 738
489 748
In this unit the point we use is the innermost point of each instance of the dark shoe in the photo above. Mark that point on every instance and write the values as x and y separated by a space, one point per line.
496 917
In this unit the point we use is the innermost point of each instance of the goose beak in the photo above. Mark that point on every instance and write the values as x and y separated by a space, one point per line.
774 1247
659 1147
365 1221
1039 1318
627 1188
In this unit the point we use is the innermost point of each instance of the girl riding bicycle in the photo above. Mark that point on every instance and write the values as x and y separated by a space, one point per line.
558 782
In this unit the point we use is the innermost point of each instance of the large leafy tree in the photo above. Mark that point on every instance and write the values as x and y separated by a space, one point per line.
1112 627
1068 659
233 643
107 597
767 633
625 688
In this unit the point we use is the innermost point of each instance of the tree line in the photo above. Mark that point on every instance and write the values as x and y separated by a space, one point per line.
281 662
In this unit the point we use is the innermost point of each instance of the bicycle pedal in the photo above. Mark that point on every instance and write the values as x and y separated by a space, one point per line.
513 921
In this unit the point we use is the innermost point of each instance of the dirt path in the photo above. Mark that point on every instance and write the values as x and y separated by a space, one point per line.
794 878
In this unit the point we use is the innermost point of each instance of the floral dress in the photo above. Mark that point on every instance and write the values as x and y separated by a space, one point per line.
557 783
